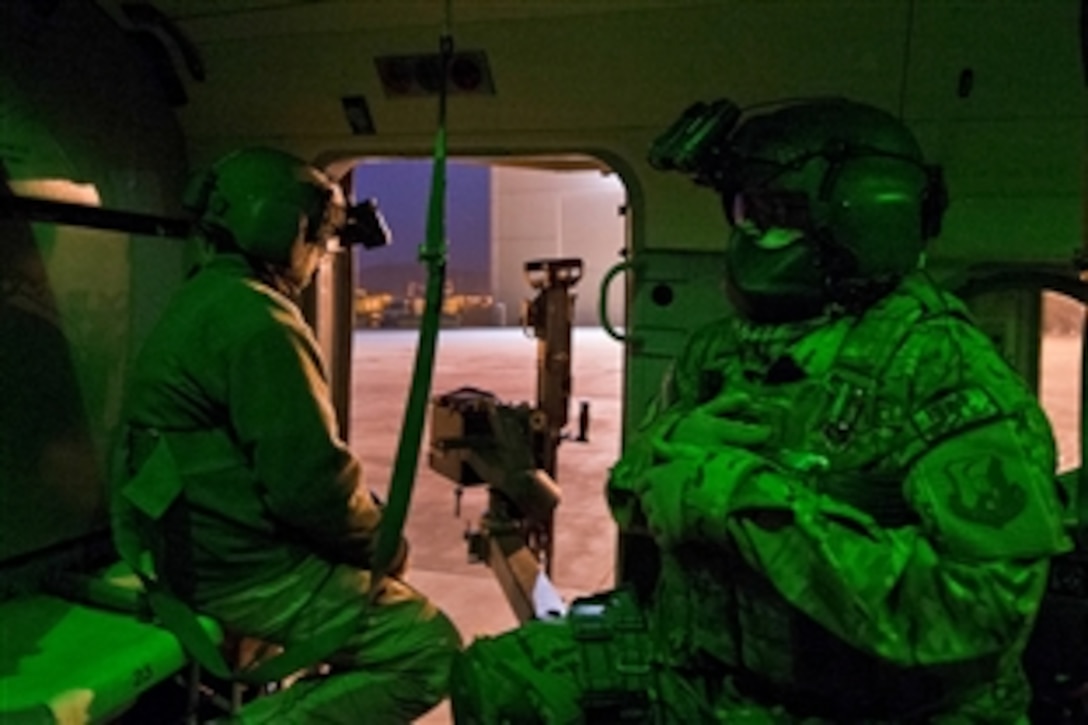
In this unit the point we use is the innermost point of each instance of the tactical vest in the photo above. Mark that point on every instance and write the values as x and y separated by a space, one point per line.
835 412
830 403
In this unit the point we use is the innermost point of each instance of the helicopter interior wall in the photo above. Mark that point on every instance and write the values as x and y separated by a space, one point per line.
1006 122
74 300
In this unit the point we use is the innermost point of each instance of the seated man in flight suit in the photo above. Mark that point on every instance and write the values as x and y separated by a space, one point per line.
233 474
853 495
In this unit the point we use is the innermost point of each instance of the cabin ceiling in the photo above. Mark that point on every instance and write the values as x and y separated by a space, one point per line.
603 76
395 12
181 9
203 8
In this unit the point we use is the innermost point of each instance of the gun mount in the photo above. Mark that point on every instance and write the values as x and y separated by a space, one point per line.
478 440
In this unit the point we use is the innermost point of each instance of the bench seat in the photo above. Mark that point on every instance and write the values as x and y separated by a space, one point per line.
51 646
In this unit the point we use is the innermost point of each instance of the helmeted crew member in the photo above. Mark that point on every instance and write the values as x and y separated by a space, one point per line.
853 494
263 518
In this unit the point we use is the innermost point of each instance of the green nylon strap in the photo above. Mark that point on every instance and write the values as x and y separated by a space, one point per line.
433 254
183 623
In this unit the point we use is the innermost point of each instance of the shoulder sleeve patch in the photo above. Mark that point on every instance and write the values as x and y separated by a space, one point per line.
982 494
979 491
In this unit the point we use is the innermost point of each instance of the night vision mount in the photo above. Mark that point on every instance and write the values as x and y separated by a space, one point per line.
697 143
364 226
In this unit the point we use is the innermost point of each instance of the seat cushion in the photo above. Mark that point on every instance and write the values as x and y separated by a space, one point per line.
50 646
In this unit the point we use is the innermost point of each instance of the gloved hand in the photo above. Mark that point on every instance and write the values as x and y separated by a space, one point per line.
688 499
727 420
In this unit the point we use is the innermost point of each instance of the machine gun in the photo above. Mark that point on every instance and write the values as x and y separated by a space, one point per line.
476 439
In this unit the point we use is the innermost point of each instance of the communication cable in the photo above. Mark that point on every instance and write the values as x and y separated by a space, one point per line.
432 253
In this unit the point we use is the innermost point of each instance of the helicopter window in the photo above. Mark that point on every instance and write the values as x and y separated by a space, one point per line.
1060 366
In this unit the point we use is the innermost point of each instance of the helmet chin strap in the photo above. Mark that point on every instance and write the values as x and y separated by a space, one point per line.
845 288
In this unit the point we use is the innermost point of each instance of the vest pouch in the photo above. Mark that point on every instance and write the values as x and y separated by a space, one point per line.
157 483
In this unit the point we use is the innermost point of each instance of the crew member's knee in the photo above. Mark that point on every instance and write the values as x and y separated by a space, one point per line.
441 645
524 676
411 646
411 666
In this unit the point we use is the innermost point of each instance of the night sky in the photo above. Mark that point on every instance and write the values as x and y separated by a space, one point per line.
402 189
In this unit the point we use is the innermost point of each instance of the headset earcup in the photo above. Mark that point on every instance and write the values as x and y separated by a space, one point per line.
260 197
264 227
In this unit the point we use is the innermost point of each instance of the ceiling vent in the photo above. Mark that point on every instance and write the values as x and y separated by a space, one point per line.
405 76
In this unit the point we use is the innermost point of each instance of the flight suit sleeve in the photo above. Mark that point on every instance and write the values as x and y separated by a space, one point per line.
281 410
908 595
623 479
677 395
964 582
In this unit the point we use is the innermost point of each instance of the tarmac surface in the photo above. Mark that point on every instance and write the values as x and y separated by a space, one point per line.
504 362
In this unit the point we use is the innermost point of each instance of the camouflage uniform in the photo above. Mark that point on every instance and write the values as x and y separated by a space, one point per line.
880 557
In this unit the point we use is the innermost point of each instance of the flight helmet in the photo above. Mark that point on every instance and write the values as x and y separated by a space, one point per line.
850 176
260 199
